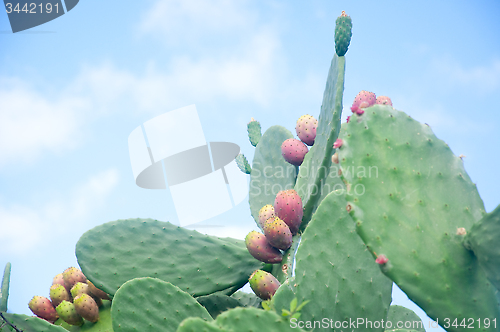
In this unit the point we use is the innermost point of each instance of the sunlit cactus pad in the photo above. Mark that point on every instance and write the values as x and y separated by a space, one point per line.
409 195
118 251
151 305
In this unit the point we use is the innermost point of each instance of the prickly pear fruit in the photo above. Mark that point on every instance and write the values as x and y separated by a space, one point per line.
72 275
343 34
260 249
335 158
43 308
306 129
381 259
97 292
278 233
363 99
58 293
263 284
79 288
288 207
67 312
383 100
86 307
58 279
338 143
265 213
294 151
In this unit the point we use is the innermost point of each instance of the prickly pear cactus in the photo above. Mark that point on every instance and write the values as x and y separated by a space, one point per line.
410 195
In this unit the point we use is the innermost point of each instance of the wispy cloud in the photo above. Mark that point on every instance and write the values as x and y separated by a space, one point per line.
484 78
32 123
26 227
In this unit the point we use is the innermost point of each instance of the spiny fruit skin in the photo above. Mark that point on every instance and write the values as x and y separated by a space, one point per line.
263 284
364 99
43 308
67 312
343 34
288 207
97 292
294 151
278 233
59 293
86 307
72 275
59 279
306 129
261 250
383 100
265 213
79 288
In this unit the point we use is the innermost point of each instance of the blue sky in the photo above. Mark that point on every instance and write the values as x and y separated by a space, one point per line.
73 89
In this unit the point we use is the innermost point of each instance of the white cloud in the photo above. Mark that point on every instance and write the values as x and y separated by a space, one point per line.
27 227
187 20
484 78
31 123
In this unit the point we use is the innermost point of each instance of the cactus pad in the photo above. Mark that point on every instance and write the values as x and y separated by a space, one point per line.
410 194
483 238
316 165
31 324
406 319
118 251
336 272
149 304
217 303
4 290
254 132
270 172
243 164
247 299
343 34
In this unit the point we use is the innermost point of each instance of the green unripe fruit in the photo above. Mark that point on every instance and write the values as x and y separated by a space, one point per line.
343 34
67 312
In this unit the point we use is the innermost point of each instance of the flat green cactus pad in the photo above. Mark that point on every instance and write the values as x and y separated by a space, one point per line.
152 305
409 196
118 251
254 132
336 272
31 324
104 323
402 318
247 299
484 239
217 303
4 290
270 172
241 320
243 164
316 165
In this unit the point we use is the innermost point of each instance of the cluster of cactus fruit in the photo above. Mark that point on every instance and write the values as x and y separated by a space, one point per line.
376 200
73 298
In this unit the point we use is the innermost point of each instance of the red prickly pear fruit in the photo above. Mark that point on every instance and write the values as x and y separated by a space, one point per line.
288 207
338 143
263 284
294 151
306 129
260 249
58 293
67 312
383 100
59 279
363 99
71 276
86 307
381 259
43 308
265 213
97 292
278 233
